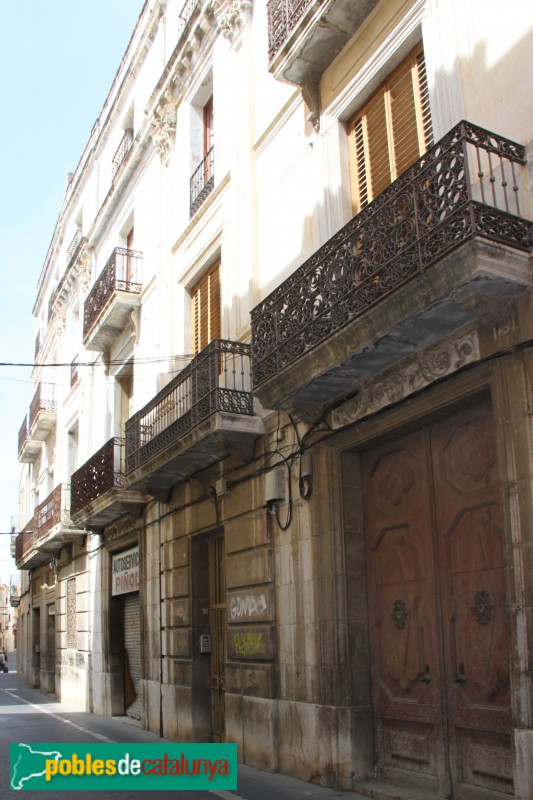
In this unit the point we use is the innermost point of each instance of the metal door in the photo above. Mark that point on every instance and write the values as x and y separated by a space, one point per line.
217 624
438 632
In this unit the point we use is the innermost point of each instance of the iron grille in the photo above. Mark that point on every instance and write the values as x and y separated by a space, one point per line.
466 185
43 400
25 541
120 274
24 433
97 476
217 379
202 181
55 510
122 150
185 15
283 16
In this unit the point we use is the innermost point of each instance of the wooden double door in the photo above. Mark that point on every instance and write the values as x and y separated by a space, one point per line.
438 626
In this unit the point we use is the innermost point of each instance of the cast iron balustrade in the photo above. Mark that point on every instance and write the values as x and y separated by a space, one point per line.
283 16
217 379
120 274
25 542
24 433
202 181
122 150
467 185
55 510
74 245
43 404
97 476
185 15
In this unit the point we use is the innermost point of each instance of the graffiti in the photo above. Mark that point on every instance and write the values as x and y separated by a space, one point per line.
247 643
249 605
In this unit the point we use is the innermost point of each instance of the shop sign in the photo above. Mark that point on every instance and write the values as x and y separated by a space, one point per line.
125 572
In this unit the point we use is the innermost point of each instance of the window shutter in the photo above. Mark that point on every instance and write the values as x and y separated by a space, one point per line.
391 131
206 318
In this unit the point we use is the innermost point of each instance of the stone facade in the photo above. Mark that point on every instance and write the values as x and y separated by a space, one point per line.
351 367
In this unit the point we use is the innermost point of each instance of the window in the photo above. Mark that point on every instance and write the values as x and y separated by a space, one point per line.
202 142
391 131
205 309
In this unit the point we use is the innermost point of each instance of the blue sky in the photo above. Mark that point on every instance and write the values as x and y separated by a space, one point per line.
58 59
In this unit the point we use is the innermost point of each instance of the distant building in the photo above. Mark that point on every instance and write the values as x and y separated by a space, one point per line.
276 472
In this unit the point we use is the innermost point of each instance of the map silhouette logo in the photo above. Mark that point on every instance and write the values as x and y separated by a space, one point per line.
28 763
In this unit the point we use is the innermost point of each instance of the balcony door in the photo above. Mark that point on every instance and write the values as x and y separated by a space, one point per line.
205 307
437 610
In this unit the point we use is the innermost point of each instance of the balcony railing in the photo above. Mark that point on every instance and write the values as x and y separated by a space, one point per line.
202 181
122 150
283 16
120 274
24 433
55 510
25 541
467 185
38 343
217 379
74 245
43 400
185 14
97 476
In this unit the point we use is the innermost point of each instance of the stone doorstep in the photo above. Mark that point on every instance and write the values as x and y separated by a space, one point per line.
380 790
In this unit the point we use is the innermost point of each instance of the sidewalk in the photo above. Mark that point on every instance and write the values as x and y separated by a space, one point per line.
254 784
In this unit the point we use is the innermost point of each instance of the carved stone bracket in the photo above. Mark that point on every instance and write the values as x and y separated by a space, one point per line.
408 376
311 96
490 308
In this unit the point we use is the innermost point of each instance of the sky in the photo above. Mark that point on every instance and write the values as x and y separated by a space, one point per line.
58 59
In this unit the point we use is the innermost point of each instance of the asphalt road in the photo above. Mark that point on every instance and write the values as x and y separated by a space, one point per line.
26 715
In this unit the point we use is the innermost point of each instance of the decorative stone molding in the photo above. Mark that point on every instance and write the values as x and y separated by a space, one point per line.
233 18
408 376
123 527
163 127
490 308
311 97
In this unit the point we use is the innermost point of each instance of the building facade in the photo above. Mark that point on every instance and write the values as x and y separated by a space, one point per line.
276 471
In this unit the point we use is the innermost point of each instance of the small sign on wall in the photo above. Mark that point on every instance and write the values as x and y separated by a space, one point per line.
125 572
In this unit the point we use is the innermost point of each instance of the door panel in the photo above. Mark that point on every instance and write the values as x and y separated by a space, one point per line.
403 613
475 628
438 627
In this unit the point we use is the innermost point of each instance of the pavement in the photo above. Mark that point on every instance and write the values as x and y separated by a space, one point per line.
26 715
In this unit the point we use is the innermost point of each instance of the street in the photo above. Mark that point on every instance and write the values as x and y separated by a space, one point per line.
29 716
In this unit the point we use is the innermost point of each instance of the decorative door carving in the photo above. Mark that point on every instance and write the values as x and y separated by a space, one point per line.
438 629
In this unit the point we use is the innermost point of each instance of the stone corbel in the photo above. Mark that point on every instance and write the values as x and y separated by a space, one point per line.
311 96
135 318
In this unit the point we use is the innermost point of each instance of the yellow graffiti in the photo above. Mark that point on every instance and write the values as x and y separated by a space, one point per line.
246 644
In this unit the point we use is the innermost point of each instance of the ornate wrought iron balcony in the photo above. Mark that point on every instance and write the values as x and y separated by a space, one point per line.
28 448
48 531
188 424
304 36
466 189
202 181
122 150
43 410
98 496
112 298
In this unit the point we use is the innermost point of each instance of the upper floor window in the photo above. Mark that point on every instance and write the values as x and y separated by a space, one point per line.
206 317
391 131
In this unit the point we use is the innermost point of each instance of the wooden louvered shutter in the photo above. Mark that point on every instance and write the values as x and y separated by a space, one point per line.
391 131
206 320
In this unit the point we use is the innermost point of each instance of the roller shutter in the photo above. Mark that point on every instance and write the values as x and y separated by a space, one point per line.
132 655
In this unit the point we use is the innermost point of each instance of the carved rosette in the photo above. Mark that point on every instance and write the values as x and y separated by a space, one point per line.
399 614
482 607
